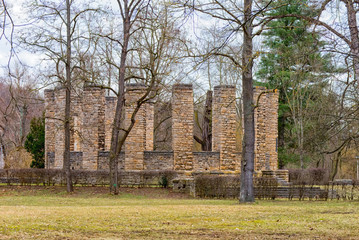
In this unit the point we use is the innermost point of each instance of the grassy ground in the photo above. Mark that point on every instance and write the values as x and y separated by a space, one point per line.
91 213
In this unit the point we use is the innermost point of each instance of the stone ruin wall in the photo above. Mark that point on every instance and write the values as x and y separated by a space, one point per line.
91 122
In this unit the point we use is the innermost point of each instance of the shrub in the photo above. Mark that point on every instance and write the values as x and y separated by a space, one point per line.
215 186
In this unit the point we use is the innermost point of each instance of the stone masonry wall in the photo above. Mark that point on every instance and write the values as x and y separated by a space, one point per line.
110 108
135 144
76 123
158 160
224 126
93 118
149 119
49 128
182 126
266 128
59 107
206 161
91 125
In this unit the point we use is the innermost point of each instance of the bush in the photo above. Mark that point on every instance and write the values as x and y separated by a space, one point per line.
311 176
266 187
214 186
85 177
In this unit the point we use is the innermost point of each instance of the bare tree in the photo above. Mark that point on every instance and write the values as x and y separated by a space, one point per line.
238 18
54 35
148 53
19 103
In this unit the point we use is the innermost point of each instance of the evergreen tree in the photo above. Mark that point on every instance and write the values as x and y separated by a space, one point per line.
35 142
296 65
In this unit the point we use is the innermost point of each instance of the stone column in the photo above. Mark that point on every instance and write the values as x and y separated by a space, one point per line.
110 109
135 143
50 129
59 114
272 128
266 128
93 132
182 126
224 126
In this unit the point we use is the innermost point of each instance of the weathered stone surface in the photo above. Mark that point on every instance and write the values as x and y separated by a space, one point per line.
103 160
266 128
59 130
149 119
224 126
50 131
182 126
206 161
91 125
76 160
110 109
158 160
93 131
135 144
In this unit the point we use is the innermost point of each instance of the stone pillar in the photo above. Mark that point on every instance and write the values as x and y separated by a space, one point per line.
135 143
266 128
224 126
182 126
50 130
59 114
110 109
93 125
272 128
150 113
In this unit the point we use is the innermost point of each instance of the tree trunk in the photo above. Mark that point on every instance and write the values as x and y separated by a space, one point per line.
66 163
353 28
207 124
23 116
247 165
119 114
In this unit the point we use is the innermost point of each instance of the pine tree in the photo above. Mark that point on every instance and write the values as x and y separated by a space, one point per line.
296 65
35 142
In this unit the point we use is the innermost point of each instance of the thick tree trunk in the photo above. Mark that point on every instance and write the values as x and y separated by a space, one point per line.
247 166
206 128
66 163
353 28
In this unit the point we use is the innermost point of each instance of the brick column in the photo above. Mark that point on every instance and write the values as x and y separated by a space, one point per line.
182 126
59 114
93 125
224 126
50 129
266 128
135 143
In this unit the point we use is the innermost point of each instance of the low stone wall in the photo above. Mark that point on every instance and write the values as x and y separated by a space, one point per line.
158 160
103 161
76 160
153 160
206 161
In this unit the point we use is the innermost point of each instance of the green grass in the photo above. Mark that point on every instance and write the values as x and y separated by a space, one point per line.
91 213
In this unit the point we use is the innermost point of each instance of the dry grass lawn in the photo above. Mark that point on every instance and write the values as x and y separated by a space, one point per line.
91 213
